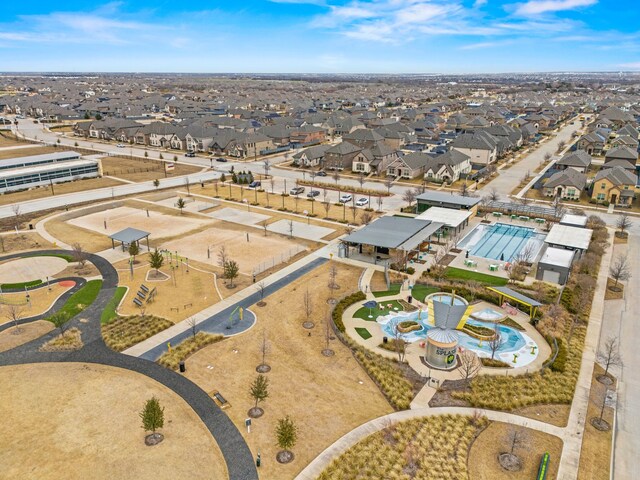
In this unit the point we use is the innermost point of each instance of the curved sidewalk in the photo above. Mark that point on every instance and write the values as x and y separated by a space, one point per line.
236 453
322 461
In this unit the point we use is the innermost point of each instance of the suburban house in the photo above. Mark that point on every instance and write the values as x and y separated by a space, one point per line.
614 185
579 161
311 157
363 138
481 147
621 153
308 134
409 166
592 143
375 159
448 167
566 184
340 156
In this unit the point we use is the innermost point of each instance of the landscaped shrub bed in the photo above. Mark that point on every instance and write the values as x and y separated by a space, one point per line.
124 332
409 326
434 448
493 363
186 348
510 322
342 305
478 331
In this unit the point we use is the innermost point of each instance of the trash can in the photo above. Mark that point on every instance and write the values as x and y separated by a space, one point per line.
409 298
182 367
31 226
385 339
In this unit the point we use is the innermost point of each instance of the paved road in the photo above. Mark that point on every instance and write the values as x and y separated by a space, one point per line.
509 178
235 451
621 321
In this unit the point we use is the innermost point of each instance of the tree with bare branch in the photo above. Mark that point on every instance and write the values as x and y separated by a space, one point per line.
495 342
79 255
388 183
622 224
516 439
619 271
365 218
609 356
307 303
223 256
265 349
468 365
409 196
15 208
13 313
192 323
260 286
327 351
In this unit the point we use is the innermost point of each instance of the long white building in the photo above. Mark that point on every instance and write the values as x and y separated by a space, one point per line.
36 175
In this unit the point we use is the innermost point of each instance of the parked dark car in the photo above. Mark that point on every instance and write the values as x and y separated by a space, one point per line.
313 193
255 184
321 173
220 159
190 154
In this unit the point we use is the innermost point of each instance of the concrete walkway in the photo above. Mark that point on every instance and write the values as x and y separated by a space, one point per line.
322 461
577 417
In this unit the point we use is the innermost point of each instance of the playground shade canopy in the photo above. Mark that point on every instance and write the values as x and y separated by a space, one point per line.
517 297
129 236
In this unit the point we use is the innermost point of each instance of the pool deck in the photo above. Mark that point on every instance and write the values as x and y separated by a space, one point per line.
414 351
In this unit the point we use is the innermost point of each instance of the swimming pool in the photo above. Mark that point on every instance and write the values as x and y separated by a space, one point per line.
511 340
488 315
502 241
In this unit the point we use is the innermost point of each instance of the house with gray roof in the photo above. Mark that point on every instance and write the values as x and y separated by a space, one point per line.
311 157
566 184
579 161
621 153
481 147
614 185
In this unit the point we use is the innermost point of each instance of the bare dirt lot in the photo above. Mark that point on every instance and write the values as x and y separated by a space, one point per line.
142 170
31 268
12 337
158 224
325 396
272 249
16 242
107 442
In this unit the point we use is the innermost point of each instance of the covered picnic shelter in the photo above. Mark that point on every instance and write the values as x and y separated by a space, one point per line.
506 292
128 236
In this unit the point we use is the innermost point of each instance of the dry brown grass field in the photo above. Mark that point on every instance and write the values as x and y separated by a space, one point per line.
23 241
12 337
40 300
142 170
99 443
25 152
58 189
326 396
192 292
483 455
595 456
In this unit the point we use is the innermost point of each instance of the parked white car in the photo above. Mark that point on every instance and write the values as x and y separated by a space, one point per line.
347 197
361 202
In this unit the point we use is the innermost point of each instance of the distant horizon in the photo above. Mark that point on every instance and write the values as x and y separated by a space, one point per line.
323 36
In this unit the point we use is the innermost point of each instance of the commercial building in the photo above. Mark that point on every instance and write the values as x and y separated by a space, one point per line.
34 176
430 199
554 265
33 160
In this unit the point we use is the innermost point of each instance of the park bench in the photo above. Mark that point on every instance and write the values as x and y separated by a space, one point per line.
137 302
141 295
144 288
220 400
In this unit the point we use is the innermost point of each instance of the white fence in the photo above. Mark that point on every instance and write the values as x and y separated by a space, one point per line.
278 259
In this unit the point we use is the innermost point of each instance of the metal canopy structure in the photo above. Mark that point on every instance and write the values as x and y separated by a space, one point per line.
402 233
129 236
510 208
516 297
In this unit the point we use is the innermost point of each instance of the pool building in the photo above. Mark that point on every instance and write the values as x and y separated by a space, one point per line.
503 242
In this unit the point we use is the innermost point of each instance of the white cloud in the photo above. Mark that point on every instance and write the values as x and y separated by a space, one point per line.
479 3
630 65
483 45
537 7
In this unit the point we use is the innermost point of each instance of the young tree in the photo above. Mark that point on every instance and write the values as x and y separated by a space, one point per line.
134 250
516 439
493 195
619 270
365 218
409 196
561 145
327 206
14 314
336 177
399 342
193 326
259 392
265 348
286 438
609 356
260 286
547 157
623 223
495 342
156 260
223 256
231 270
469 365
388 183
152 416
79 255
181 204
464 190
59 320
15 208
307 303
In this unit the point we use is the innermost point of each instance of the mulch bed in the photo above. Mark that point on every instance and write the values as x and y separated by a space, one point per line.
443 398
447 259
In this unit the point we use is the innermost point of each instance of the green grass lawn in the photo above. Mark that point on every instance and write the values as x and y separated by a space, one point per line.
363 332
20 286
82 298
363 312
420 292
462 274
109 312
394 290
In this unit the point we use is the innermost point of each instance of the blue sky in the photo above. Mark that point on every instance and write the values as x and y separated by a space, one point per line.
321 36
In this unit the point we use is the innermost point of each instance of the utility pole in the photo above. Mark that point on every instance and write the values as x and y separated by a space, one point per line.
51 183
